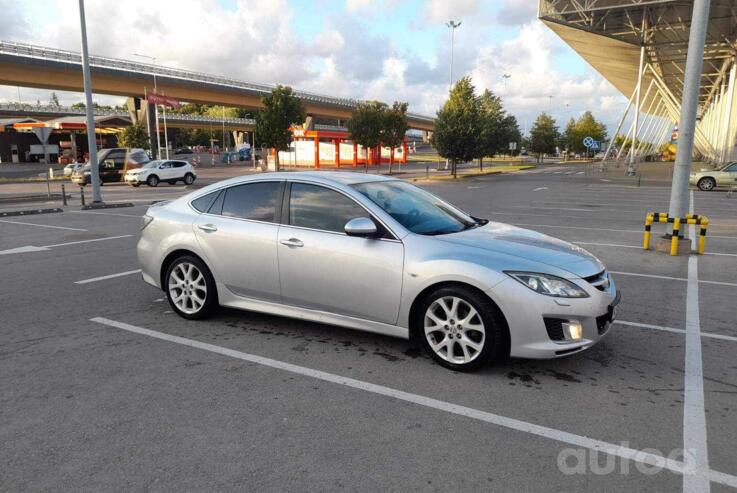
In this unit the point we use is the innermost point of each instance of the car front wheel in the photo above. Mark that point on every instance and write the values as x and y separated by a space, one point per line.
188 179
190 288
706 184
461 329
152 181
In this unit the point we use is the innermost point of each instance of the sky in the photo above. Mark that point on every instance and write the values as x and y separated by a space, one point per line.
390 50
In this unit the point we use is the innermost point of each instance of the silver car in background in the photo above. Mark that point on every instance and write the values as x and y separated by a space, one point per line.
377 254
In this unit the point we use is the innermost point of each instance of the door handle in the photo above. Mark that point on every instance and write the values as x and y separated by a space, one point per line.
292 242
208 228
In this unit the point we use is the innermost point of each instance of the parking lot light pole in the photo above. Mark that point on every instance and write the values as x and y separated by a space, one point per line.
91 141
452 25
156 113
689 106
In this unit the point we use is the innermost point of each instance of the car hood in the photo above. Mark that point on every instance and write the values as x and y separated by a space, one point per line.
529 245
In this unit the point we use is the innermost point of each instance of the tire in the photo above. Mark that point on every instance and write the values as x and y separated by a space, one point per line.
188 179
197 297
707 184
152 181
483 336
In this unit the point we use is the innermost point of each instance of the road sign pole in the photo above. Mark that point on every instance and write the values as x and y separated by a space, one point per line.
689 103
91 141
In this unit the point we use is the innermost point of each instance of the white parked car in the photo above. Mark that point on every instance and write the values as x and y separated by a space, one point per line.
379 254
71 168
154 172
708 180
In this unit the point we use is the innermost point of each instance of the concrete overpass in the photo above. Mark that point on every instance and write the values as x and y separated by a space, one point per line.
173 120
48 68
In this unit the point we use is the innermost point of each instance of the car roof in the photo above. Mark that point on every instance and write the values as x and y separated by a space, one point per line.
327 177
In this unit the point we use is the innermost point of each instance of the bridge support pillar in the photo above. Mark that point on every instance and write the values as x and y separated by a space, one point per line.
151 127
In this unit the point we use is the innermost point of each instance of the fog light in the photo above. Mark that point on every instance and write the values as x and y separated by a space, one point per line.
573 330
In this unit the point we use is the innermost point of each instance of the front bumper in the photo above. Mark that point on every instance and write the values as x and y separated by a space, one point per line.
525 312
81 180
133 179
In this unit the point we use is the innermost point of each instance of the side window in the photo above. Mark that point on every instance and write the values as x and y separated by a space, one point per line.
179 164
118 158
315 207
256 201
203 203
166 165
733 168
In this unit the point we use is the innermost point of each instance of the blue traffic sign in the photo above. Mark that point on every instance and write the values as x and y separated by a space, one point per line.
588 141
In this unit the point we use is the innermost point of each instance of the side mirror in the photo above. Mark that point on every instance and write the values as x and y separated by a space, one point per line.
360 226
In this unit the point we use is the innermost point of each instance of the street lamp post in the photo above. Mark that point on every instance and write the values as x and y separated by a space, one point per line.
91 141
156 113
452 25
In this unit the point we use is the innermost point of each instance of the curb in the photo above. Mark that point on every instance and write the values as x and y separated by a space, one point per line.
31 212
107 206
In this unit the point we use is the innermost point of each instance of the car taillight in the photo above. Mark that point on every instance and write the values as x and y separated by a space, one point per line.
145 221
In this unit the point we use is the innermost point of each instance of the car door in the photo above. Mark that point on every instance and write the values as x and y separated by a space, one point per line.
238 234
322 268
166 171
728 177
112 165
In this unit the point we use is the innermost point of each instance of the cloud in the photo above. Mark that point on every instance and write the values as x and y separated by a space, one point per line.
441 11
347 57
516 12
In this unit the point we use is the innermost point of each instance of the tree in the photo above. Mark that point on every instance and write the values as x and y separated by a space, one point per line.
511 132
544 135
134 136
281 110
577 130
491 131
395 128
457 125
367 125
54 101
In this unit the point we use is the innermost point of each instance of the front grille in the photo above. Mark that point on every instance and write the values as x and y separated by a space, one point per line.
600 281
554 326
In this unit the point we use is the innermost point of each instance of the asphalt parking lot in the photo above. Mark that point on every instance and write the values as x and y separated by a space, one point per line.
104 388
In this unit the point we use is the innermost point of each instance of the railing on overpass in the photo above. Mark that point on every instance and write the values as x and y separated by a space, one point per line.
34 109
53 54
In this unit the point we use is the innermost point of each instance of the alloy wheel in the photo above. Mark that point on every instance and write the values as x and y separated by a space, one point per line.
454 330
187 288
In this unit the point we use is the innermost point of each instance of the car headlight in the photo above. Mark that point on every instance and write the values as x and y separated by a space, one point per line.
549 285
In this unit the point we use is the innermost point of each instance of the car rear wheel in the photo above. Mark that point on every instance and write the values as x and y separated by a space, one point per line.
188 179
706 184
190 288
461 329
153 181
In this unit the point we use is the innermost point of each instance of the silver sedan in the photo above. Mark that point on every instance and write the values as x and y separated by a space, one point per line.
377 254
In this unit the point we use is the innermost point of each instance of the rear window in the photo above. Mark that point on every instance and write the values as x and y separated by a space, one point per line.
202 204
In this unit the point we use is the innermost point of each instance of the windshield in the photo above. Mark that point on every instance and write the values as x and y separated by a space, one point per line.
417 210
152 164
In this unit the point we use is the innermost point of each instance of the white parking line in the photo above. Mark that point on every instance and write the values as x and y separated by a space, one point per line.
87 241
106 214
709 335
110 276
31 248
495 419
694 416
42 225
638 231
617 245
669 278
540 188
